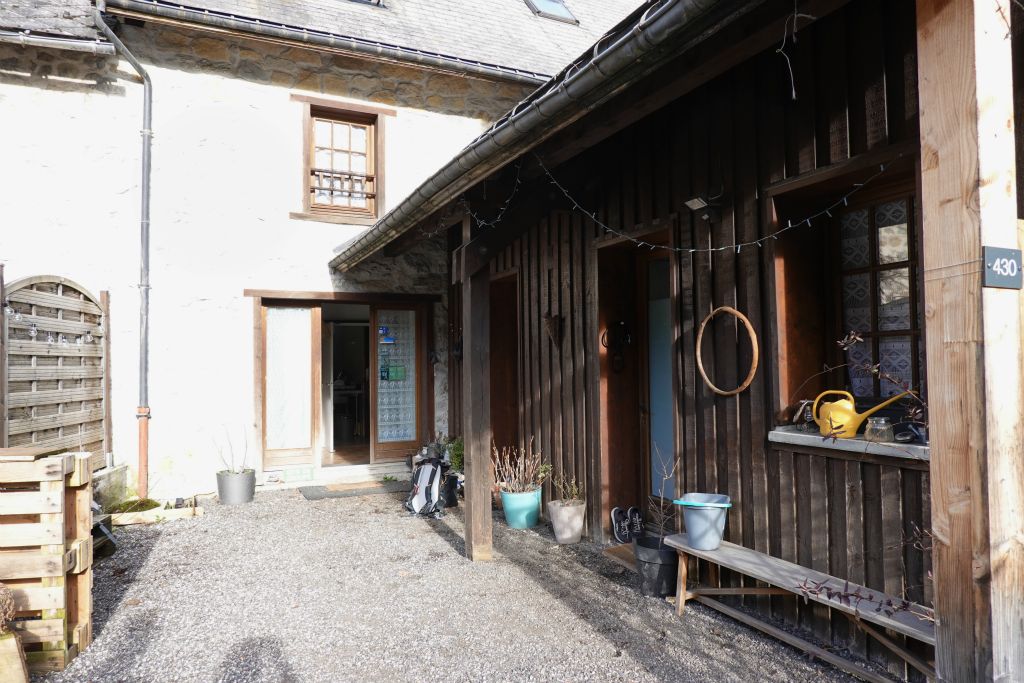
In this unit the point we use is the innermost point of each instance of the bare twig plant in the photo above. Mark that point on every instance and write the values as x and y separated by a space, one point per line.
230 462
661 511
569 490
519 470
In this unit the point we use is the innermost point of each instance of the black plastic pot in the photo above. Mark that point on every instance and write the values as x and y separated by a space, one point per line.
657 567
450 491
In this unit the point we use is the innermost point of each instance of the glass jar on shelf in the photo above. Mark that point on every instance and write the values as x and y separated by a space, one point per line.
879 430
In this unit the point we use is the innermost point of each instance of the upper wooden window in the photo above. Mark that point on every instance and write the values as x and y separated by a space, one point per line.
877 270
341 164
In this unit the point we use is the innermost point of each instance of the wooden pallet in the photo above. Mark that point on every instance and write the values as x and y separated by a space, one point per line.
46 553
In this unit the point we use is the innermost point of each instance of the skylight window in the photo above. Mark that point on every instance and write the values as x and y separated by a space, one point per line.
552 9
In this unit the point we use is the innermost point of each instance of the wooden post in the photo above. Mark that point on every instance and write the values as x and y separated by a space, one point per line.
3 361
476 405
973 337
108 411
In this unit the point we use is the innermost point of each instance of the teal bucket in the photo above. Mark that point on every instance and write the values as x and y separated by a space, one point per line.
522 510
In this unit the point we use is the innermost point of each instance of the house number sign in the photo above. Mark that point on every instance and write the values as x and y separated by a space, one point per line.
1002 268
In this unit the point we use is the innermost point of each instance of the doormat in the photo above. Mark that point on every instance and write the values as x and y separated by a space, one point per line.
365 489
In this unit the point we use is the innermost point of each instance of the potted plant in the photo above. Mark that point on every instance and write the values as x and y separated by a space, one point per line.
568 511
236 483
657 564
520 473
12 659
455 450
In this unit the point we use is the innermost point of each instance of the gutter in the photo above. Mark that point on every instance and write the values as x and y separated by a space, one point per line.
142 413
324 40
26 39
636 46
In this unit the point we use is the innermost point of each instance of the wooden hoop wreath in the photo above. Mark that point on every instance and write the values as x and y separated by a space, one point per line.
753 345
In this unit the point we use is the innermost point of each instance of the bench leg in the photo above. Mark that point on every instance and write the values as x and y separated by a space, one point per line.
681 584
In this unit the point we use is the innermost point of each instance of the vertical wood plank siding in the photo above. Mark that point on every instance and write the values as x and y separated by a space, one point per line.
854 75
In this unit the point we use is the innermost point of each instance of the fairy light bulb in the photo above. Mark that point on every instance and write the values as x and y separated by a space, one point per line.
88 337
79 340
33 331
63 340
49 338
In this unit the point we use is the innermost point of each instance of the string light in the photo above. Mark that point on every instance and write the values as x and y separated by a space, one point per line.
462 206
790 225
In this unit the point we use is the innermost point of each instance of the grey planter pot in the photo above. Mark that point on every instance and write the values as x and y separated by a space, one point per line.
567 520
234 488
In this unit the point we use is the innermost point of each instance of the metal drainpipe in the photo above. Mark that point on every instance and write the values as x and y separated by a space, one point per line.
142 413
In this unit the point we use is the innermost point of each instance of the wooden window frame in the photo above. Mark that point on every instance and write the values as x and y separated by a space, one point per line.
807 300
373 117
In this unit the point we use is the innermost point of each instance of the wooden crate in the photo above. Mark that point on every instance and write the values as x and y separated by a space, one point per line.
46 552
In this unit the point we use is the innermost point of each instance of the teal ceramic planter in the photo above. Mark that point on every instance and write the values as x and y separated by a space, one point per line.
522 510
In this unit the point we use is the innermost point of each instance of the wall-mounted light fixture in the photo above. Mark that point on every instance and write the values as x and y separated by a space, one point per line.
708 208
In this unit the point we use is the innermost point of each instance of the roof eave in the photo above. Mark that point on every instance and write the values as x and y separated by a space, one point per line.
582 85
352 45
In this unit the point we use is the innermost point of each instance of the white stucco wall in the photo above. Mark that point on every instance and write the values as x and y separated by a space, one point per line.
227 158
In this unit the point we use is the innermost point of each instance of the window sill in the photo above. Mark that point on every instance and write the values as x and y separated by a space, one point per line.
793 437
328 218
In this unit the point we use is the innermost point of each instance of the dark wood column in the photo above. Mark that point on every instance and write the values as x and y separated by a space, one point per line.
968 199
476 400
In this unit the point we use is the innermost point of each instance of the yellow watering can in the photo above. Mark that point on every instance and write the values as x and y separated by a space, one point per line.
840 418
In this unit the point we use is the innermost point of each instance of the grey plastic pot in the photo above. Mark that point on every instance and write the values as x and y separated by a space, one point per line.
567 520
704 517
234 488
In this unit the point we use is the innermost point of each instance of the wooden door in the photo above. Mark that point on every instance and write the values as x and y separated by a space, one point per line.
397 381
291 385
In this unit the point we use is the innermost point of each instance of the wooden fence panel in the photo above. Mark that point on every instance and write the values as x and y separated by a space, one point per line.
57 364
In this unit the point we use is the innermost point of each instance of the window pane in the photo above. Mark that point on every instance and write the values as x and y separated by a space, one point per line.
322 158
288 376
358 139
860 359
358 193
854 239
358 164
341 136
341 161
396 376
322 133
891 219
894 299
857 303
555 8
895 359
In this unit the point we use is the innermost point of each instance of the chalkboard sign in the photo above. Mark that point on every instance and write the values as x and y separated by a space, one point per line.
1002 268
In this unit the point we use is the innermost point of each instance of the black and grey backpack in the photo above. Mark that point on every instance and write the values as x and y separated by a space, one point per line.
425 495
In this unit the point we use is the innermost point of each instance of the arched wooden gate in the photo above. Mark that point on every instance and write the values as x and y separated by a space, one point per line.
56 356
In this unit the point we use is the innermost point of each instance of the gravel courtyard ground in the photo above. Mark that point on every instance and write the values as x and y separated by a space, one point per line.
287 589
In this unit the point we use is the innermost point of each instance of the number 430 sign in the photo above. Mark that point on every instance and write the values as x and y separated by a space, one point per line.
1002 268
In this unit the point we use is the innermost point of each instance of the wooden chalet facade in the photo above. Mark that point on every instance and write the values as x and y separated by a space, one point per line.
577 331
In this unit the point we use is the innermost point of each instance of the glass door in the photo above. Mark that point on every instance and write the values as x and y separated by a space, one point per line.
661 434
395 382
291 369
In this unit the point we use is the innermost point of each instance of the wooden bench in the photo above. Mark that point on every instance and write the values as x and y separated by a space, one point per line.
863 606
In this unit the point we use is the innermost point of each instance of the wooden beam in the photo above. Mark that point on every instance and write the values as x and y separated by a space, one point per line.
968 196
345 297
476 401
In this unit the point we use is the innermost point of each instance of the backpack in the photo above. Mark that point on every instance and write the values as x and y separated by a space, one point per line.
425 495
